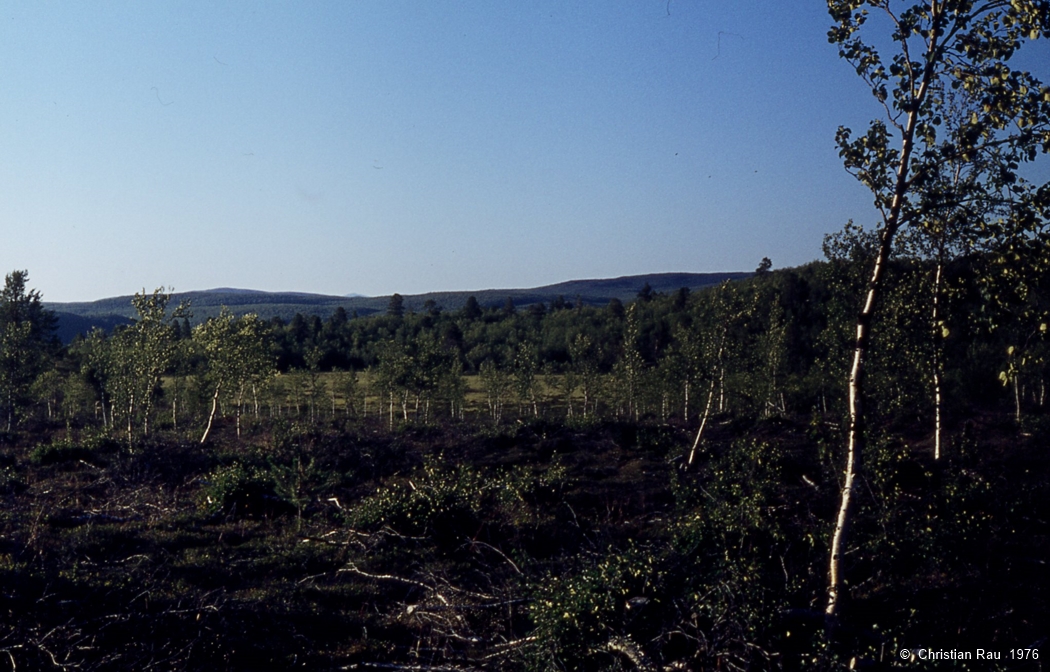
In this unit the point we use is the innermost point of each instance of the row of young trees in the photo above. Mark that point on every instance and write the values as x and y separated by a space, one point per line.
120 378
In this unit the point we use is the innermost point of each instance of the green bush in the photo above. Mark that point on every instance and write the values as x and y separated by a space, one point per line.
731 548
576 616
88 446
243 490
445 503
61 451
435 497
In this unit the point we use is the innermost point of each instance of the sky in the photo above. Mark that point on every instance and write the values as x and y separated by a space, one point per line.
380 147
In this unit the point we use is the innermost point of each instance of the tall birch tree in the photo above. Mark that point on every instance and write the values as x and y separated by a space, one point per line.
934 46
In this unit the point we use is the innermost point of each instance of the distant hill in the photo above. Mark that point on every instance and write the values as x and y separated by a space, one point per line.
79 318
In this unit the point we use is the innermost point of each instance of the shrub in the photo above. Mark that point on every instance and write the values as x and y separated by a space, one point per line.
61 451
435 497
239 489
577 616
446 503
729 548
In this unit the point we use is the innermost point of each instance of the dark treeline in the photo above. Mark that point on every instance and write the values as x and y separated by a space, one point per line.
775 344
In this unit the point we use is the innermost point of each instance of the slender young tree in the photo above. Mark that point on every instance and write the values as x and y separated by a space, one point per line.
584 356
526 381
349 386
773 349
394 378
236 359
715 339
936 46
133 360
497 384
153 345
26 336
629 370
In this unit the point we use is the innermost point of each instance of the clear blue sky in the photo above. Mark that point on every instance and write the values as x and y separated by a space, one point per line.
379 147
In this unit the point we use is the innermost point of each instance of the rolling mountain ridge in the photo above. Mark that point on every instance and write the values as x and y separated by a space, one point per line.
81 317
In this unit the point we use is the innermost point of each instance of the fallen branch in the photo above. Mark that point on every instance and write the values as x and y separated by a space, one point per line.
626 647
475 542
10 655
353 569
507 647
413 608
420 668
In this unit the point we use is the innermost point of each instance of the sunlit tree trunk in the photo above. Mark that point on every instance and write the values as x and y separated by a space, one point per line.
710 398
937 361
685 404
131 416
891 223
1017 398
703 422
856 407
211 415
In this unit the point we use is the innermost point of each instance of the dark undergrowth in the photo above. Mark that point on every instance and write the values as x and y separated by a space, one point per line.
538 546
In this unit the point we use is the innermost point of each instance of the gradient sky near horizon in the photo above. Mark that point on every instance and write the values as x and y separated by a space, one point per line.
380 147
